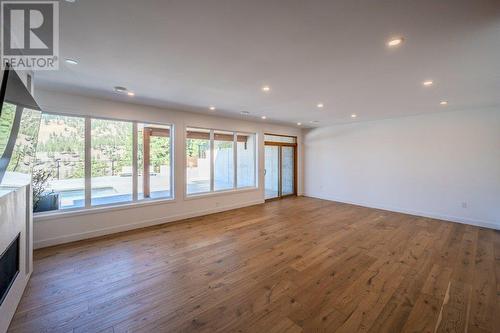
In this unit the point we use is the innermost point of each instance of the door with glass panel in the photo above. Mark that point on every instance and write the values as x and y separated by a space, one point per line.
272 172
280 166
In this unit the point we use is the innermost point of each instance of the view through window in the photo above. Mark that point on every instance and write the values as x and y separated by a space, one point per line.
61 166
154 161
232 165
198 160
111 151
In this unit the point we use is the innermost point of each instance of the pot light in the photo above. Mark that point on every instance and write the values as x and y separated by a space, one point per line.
443 103
123 90
320 105
266 89
428 83
299 124
120 89
264 117
212 108
395 42
71 61
354 115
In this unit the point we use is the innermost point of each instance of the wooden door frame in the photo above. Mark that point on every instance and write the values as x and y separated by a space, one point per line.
295 173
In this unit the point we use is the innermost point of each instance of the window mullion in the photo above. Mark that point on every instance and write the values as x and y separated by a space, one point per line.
212 161
235 159
256 160
172 159
88 161
134 161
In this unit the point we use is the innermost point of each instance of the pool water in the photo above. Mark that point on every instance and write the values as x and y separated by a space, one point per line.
100 196
76 198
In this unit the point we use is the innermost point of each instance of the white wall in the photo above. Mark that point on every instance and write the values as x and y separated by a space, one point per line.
427 165
55 230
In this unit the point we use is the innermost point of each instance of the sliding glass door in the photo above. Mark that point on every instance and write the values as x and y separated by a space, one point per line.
280 166
287 170
272 172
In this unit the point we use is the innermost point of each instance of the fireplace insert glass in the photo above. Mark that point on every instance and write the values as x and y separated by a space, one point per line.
9 268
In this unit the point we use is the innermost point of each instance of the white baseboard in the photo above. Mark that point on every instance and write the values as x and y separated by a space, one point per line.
462 220
142 224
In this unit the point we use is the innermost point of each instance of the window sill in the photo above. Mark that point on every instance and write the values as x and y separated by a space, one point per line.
44 216
219 193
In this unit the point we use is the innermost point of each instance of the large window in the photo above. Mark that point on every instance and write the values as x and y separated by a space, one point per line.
219 160
246 160
198 160
154 161
223 160
59 170
111 154
84 162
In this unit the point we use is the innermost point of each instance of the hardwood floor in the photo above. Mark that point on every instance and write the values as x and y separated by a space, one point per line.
295 265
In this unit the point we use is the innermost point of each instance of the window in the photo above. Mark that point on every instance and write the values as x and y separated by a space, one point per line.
223 160
154 161
23 154
246 160
111 165
6 123
127 161
60 162
231 166
280 138
198 160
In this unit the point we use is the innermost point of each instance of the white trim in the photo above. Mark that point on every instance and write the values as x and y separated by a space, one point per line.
44 216
172 161
88 162
212 161
448 218
235 160
135 172
142 224
220 192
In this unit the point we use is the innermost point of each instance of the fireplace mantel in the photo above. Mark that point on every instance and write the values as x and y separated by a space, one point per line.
16 219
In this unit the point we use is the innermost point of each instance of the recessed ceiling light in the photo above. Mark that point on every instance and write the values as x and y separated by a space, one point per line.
120 89
212 108
428 83
71 61
266 89
299 124
123 90
264 117
395 42
353 115
320 105
245 113
443 103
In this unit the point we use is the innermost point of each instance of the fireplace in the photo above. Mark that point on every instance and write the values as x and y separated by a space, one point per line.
9 267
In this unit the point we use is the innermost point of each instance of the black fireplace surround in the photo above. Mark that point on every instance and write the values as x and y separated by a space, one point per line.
9 267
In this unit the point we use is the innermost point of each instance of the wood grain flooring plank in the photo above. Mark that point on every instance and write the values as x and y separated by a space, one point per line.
293 265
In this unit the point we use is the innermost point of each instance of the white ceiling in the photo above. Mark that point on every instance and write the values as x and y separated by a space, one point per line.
188 55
